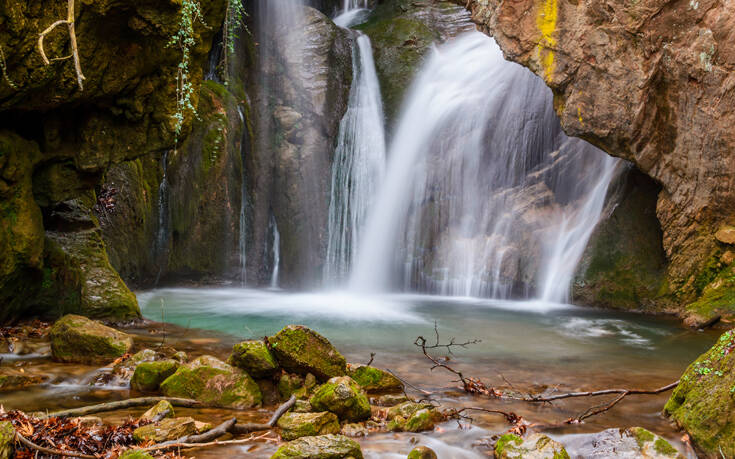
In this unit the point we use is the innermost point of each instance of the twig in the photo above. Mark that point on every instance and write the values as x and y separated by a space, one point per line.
52 451
372 356
112 406
69 21
240 429
202 445
626 392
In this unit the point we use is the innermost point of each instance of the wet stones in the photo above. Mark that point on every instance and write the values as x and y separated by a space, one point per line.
253 357
301 350
296 425
320 447
532 446
148 376
76 339
422 452
373 379
344 397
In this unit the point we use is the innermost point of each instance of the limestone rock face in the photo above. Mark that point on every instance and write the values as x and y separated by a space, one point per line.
213 382
302 350
308 73
704 401
650 82
320 447
53 262
80 340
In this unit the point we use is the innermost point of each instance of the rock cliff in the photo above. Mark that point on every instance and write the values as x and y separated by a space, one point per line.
652 82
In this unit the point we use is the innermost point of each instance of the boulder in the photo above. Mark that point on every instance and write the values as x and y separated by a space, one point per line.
534 446
373 379
422 452
389 400
148 376
126 368
253 357
321 447
343 397
413 417
165 430
289 383
11 379
703 403
302 406
160 407
213 382
7 439
355 429
297 425
301 350
76 339
631 442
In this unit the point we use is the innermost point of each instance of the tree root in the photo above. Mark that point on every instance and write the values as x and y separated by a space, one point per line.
69 21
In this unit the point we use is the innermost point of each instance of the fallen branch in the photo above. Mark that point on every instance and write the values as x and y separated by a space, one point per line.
519 424
596 393
69 21
52 451
213 443
112 406
240 429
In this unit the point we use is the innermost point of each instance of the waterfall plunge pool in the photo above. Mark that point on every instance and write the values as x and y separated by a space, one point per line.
530 344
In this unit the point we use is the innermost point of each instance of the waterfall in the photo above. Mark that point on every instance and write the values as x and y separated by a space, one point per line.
162 235
353 12
483 195
276 249
358 163
242 236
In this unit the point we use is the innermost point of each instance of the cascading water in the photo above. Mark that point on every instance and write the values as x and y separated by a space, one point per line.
243 223
358 164
276 252
162 234
482 188
352 12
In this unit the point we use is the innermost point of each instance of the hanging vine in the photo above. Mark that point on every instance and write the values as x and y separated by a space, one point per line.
234 18
191 13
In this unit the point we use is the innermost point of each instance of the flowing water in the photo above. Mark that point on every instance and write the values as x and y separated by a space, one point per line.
484 195
359 161
243 222
161 248
276 252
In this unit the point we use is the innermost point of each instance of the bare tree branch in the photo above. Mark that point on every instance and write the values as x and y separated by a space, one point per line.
69 21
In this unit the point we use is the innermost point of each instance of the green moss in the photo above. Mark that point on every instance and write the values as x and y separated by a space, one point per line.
374 379
422 452
718 297
78 339
288 384
135 455
422 420
342 396
148 376
502 444
213 382
663 447
301 350
642 436
703 403
7 439
320 447
253 357
297 425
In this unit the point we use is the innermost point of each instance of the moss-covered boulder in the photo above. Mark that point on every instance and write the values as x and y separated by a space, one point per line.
253 357
12 379
373 379
534 446
164 406
355 429
302 350
302 406
704 401
133 454
413 417
7 440
165 430
320 447
343 397
213 382
422 452
80 340
629 442
148 376
296 425
125 368
289 383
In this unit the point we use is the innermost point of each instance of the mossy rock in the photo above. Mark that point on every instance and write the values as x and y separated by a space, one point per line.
132 454
343 397
7 439
126 368
289 383
534 446
165 430
301 350
11 379
158 408
422 452
148 376
253 357
355 429
76 339
373 379
214 383
297 425
320 447
413 417
629 442
704 401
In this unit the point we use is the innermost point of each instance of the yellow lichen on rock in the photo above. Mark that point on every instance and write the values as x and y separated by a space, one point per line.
546 23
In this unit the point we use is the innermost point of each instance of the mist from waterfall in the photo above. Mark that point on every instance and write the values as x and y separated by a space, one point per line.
484 195
358 166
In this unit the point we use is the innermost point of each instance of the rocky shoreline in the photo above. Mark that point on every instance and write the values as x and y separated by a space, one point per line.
323 405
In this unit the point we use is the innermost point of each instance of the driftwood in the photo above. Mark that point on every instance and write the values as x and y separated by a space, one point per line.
240 429
69 21
476 386
119 405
